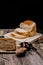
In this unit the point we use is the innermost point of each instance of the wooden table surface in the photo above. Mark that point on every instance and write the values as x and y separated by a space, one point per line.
31 58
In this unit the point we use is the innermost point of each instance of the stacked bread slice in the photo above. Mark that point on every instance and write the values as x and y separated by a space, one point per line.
26 29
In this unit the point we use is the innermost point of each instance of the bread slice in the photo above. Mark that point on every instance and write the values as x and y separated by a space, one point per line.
18 36
30 26
7 44
21 31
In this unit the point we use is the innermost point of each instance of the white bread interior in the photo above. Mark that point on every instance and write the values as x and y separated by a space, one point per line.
21 31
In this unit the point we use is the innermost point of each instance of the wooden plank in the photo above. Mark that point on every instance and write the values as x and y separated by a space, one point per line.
31 58
11 59
2 61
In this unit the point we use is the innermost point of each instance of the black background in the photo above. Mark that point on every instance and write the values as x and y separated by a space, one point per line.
16 12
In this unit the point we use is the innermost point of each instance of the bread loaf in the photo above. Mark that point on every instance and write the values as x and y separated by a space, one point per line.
30 26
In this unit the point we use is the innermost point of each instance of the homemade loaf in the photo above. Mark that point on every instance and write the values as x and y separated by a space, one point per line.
7 44
26 29
30 26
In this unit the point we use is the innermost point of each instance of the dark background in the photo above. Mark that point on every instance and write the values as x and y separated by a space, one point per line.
19 11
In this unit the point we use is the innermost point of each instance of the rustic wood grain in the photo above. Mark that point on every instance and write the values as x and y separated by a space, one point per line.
31 58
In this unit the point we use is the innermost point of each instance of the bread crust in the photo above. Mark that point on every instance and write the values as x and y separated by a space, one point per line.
24 34
28 22
33 32
17 36
7 44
